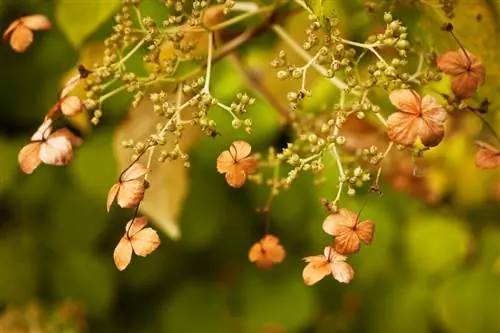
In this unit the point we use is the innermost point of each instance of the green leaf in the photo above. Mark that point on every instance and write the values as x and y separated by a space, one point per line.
79 19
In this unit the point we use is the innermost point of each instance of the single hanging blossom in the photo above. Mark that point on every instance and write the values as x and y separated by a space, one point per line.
237 163
20 31
142 241
417 117
487 156
52 149
266 252
330 262
348 231
467 70
129 191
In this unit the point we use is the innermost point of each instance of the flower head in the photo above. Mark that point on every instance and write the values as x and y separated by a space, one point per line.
237 163
417 118
348 231
52 149
330 262
487 156
142 241
467 71
129 191
20 31
266 252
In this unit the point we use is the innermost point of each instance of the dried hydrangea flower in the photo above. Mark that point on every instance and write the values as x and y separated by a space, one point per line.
487 156
53 149
129 191
348 231
20 31
237 163
468 71
266 252
330 262
142 241
417 118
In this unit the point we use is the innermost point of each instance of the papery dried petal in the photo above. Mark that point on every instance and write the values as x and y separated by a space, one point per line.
236 177
225 162
70 85
36 22
347 241
432 110
334 222
135 171
43 131
11 28
266 252
487 156
21 38
453 62
342 271
316 269
365 231
123 253
71 106
64 132
249 164
56 151
135 225
464 85
131 193
406 100
113 191
29 157
240 149
145 242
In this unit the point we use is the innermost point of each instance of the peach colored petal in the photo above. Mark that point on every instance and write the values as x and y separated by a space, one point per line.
56 150
401 129
135 171
113 191
406 100
21 38
225 162
36 22
347 241
131 193
255 252
11 28
249 164
332 255
123 253
432 110
269 240
135 225
145 241
71 106
365 231
29 157
336 222
64 132
464 85
316 270
487 156
452 62
240 149
432 134
275 254
342 271
237 177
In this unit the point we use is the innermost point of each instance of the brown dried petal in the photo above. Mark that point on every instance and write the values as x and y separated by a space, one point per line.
249 164
36 22
487 156
236 177
432 111
64 132
113 191
453 62
342 271
239 150
400 128
336 222
130 193
365 231
465 85
145 241
135 171
316 269
123 253
56 150
225 162
135 225
406 100
71 106
29 157
21 38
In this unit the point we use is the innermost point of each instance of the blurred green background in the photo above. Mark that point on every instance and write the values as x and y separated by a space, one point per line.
431 268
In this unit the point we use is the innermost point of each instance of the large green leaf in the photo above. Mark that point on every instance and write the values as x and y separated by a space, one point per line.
78 19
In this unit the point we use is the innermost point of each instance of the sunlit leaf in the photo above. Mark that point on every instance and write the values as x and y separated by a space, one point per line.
79 19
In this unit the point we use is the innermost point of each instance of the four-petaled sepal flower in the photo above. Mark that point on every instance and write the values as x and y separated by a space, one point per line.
330 262
129 191
266 252
237 163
